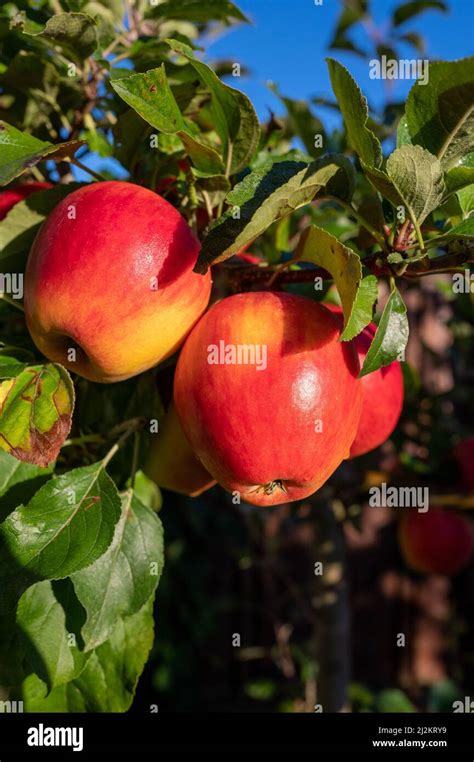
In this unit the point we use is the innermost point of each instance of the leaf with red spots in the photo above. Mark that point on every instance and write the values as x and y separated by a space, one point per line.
36 412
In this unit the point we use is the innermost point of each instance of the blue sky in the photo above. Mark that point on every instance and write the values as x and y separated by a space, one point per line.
287 43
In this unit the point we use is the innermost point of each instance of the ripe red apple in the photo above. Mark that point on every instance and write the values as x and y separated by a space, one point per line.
437 541
11 196
382 396
464 454
172 463
110 275
275 425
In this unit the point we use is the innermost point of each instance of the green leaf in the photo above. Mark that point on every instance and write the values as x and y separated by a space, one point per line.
13 360
460 176
150 95
355 113
418 177
37 698
18 482
409 10
383 183
466 198
48 619
74 33
357 295
19 151
269 193
198 11
440 113
302 122
120 582
19 228
414 39
109 680
66 526
403 133
234 118
394 700
36 413
463 231
391 336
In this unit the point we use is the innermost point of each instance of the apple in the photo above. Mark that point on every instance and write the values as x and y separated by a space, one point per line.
11 196
438 541
464 454
382 393
267 396
110 289
171 462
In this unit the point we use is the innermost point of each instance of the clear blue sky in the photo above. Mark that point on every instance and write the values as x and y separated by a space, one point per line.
287 43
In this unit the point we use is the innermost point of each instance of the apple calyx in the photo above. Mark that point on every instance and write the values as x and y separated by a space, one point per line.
270 487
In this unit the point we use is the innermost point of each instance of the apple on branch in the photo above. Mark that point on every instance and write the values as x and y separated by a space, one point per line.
110 289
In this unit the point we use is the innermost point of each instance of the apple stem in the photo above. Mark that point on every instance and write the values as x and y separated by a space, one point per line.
131 426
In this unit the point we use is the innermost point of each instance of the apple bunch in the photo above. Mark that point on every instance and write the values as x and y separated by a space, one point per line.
110 292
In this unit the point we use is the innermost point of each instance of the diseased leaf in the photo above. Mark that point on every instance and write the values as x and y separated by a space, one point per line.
418 177
66 526
355 112
233 114
268 194
36 413
120 582
391 336
150 95
357 294
46 616
440 113
19 151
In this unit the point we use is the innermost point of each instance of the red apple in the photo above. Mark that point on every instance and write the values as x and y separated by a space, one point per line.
172 463
464 454
273 428
382 396
11 196
110 275
437 541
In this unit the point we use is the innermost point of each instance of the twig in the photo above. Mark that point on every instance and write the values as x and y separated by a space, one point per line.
13 302
90 171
